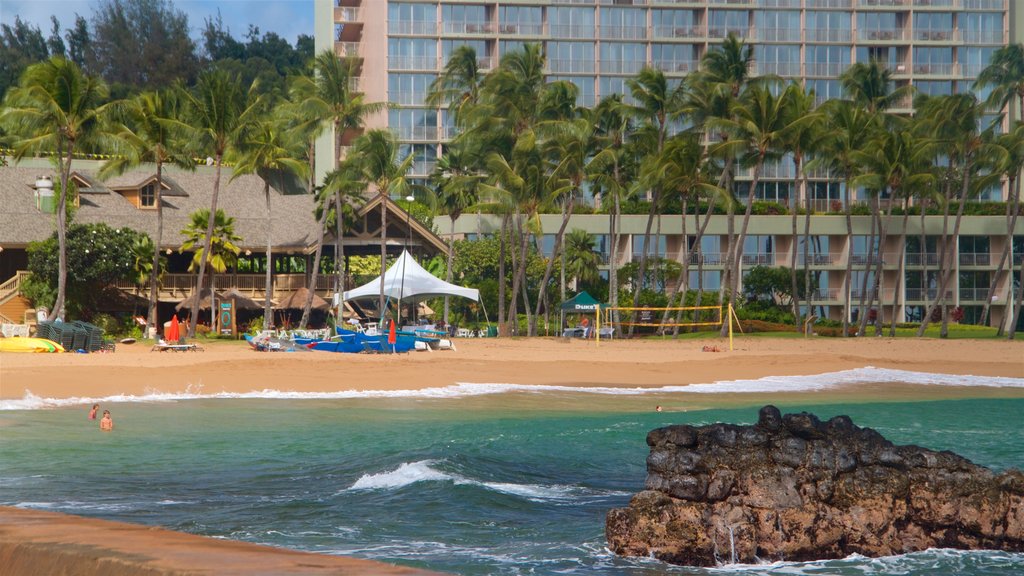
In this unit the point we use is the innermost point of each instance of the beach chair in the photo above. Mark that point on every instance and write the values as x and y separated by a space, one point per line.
607 332
164 347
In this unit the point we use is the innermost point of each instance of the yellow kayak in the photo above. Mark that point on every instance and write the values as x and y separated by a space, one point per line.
29 345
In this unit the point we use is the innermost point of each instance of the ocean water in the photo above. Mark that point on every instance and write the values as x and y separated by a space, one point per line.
470 479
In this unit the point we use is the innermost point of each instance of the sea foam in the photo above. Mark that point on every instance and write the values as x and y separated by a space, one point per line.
409 473
768 384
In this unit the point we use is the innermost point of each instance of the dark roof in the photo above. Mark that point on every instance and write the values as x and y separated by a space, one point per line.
582 302
293 225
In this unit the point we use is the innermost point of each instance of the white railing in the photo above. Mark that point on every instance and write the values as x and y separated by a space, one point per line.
623 32
622 66
677 32
981 36
918 259
933 35
521 29
724 31
414 27
572 31
468 28
883 3
416 132
570 65
973 293
346 48
920 294
759 259
829 3
407 98
883 35
818 259
778 34
346 14
666 66
821 295
944 69
984 4
829 34
778 68
412 62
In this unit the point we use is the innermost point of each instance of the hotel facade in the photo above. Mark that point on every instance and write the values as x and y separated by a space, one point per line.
936 46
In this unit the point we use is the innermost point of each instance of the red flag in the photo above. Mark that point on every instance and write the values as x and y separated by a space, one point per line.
392 337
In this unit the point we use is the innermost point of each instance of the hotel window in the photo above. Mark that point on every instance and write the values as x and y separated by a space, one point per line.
412 18
828 26
889 56
620 58
674 24
673 57
147 196
933 61
464 19
981 27
412 54
659 245
571 57
934 88
782 60
825 90
521 20
827 60
760 245
974 59
608 85
879 26
721 23
564 22
409 89
777 26
585 91
424 157
623 23
933 26
483 55
712 279
413 124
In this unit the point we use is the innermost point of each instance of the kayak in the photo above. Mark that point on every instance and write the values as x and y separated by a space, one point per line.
29 345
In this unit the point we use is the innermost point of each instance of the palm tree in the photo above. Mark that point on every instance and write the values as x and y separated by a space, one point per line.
377 156
802 141
458 86
656 106
758 130
219 110
613 127
342 187
151 131
870 84
581 259
222 252
848 129
1005 75
954 122
459 189
1013 144
55 109
266 150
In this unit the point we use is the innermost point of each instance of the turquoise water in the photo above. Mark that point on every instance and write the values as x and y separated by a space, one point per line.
509 483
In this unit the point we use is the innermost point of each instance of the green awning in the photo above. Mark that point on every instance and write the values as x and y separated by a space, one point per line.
582 302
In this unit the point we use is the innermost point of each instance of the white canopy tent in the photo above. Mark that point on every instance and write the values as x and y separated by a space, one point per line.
407 279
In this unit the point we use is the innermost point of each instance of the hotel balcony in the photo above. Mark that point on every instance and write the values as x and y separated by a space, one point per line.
725 31
824 260
981 36
778 68
407 98
922 295
623 32
983 4
837 35
917 260
519 29
930 69
570 66
416 133
573 31
412 63
468 28
760 259
668 32
827 69
348 20
968 259
882 3
675 67
734 3
934 35
777 35
884 35
829 3
825 295
974 294
622 66
346 49
885 295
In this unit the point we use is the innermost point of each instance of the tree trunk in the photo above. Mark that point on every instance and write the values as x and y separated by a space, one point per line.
559 237
154 276
730 226
62 230
737 251
1012 330
795 300
383 247
848 279
268 281
451 260
642 272
946 267
205 253
808 292
681 286
900 281
308 305
1012 210
502 324
701 228
613 264
868 298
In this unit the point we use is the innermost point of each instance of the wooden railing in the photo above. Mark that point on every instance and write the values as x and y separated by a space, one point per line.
253 285
12 286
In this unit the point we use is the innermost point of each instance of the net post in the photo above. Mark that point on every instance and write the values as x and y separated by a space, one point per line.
729 320
597 326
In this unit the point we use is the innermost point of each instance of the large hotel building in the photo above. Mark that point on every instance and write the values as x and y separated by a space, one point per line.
937 46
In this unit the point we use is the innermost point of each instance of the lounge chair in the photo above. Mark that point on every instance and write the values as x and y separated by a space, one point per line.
162 346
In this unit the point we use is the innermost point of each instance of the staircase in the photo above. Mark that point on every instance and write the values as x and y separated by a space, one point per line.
12 304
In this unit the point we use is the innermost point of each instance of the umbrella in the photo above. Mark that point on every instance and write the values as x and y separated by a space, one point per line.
392 336
173 332
242 302
297 300
204 300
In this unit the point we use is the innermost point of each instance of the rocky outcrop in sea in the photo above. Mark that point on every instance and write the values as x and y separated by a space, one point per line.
795 488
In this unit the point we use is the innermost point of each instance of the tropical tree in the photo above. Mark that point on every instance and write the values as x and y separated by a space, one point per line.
870 84
342 187
149 129
848 129
581 258
757 130
55 109
954 125
217 251
1005 76
458 86
265 149
219 109
1013 144
458 182
376 155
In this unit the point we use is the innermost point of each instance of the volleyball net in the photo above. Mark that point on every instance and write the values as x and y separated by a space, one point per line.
664 317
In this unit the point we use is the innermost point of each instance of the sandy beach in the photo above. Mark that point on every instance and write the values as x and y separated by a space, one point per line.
233 367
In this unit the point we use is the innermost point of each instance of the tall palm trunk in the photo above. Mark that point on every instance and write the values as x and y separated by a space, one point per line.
948 266
567 210
1012 210
681 286
1012 330
502 323
62 225
876 282
383 248
848 279
808 292
268 280
862 320
899 275
701 228
519 278
642 272
795 301
883 236
730 234
205 253
154 282
341 264
317 255
737 252
451 259
613 260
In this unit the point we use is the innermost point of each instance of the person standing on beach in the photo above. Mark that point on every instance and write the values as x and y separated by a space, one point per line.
92 413
106 423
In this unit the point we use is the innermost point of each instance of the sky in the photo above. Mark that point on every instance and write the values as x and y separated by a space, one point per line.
288 18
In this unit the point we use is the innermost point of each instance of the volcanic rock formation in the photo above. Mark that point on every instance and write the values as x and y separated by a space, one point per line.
794 488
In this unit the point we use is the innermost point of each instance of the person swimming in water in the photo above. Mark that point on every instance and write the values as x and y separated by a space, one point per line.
106 423
92 413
